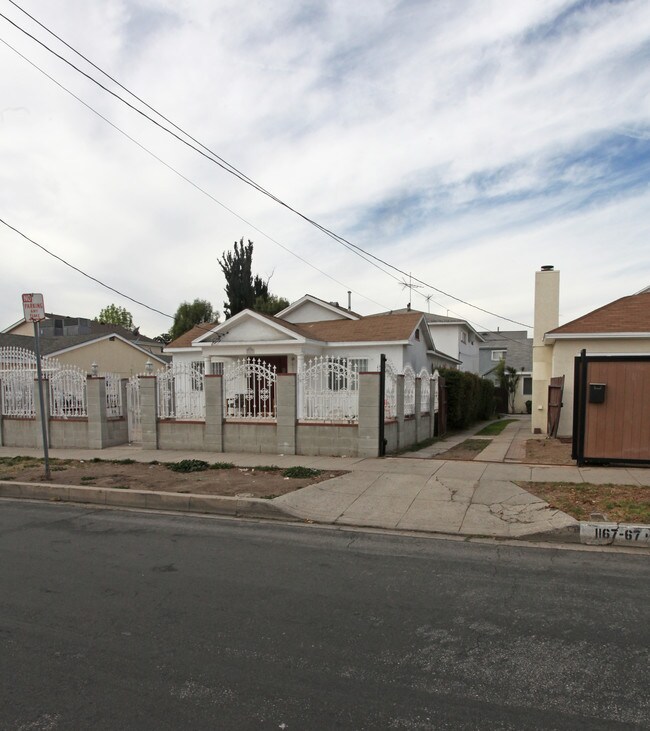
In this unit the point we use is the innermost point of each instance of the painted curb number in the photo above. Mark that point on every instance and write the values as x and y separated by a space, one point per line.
604 534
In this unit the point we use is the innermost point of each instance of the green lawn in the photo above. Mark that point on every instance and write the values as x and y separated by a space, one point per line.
496 427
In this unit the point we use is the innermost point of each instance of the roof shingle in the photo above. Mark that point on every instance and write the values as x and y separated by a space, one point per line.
625 315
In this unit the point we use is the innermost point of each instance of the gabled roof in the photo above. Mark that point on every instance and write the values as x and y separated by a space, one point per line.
378 328
627 315
54 344
433 319
395 328
185 340
331 306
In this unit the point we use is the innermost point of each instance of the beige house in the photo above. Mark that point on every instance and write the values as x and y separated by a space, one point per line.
111 352
621 327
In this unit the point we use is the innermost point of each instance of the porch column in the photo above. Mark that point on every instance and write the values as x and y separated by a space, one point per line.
300 367
214 413
368 430
286 413
96 405
149 411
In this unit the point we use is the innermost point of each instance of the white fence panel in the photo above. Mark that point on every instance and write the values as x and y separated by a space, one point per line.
17 374
68 393
436 392
113 394
425 391
133 409
409 391
249 390
330 390
181 392
390 392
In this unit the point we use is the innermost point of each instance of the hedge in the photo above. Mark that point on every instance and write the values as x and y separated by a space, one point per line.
470 398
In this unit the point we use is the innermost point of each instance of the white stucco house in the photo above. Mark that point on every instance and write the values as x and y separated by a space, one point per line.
308 328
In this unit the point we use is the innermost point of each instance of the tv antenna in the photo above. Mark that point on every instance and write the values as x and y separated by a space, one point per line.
410 286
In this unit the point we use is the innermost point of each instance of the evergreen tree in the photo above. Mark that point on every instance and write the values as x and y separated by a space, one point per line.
190 314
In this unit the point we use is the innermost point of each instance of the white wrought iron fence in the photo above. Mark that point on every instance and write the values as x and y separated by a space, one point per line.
17 373
113 394
133 409
409 391
425 391
436 390
249 390
68 393
181 392
329 390
390 392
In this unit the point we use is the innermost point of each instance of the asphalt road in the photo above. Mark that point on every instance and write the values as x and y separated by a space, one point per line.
118 620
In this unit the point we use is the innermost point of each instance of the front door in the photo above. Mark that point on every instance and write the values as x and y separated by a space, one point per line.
279 361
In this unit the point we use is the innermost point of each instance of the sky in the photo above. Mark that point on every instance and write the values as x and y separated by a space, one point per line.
467 143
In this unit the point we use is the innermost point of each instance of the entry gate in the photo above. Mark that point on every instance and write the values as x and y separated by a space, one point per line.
134 411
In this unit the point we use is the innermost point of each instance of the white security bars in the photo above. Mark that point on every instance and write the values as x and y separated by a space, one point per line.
18 373
249 390
330 390
436 392
181 392
390 392
409 391
113 394
425 391
68 393
133 409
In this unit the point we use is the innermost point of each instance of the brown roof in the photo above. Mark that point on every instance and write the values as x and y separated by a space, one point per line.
185 340
367 329
626 315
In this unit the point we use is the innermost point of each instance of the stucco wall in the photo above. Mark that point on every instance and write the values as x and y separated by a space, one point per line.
19 432
112 356
564 353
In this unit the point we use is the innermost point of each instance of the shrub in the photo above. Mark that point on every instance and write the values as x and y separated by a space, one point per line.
301 472
188 465
222 466
469 398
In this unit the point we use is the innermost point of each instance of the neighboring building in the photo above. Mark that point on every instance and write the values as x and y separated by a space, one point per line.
312 327
453 336
621 327
112 352
516 348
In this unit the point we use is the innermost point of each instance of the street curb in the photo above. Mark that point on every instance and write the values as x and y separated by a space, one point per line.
114 497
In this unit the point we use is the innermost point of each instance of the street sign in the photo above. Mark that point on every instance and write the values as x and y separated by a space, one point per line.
33 307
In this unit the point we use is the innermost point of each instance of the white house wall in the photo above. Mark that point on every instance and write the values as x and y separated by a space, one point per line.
312 312
252 330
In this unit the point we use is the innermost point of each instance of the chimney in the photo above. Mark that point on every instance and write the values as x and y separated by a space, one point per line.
547 302
547 317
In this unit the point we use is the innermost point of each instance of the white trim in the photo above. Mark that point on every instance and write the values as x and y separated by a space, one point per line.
595 336
316 301
295 337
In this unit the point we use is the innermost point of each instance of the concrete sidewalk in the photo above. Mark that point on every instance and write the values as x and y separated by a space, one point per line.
453 497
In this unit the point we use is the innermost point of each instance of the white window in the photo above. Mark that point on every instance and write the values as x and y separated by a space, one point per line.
360 365
216 368
463 336
498 354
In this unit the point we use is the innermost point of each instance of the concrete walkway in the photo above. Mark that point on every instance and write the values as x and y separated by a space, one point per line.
462 498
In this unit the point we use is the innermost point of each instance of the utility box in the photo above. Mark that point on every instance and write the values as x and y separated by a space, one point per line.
597 393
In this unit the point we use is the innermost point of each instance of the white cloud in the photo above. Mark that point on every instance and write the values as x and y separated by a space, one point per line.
439 135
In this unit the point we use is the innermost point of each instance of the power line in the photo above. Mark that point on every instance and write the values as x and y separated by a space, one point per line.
185 178
213 157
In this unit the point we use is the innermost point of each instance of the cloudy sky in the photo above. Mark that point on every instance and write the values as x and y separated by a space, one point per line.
467 142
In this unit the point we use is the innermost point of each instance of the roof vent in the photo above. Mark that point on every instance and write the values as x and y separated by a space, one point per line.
548 268
336 304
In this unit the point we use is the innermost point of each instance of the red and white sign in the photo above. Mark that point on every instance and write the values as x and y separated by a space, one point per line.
33 307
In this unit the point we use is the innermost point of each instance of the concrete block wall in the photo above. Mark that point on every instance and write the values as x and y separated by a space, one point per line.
249 436
184 435
68 433
19 432
335 440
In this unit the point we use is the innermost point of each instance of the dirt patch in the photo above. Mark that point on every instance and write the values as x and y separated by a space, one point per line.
548 451
619 503
262 482
466 450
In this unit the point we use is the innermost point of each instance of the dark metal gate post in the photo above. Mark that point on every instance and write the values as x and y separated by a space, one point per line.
382 398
